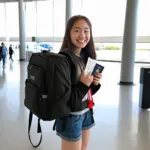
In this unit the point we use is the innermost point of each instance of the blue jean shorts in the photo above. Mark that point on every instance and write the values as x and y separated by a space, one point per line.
70 127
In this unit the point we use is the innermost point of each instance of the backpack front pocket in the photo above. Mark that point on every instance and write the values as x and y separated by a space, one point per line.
32 97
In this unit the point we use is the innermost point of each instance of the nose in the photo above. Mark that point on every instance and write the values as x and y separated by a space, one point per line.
82 34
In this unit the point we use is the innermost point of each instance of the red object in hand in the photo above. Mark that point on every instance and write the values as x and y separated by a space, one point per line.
90 99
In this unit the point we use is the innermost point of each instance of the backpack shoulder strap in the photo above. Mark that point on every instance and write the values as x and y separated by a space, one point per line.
69 56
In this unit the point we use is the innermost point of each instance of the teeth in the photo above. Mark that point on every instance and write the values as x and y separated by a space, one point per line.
81 41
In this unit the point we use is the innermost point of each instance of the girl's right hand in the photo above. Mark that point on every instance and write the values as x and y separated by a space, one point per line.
86 79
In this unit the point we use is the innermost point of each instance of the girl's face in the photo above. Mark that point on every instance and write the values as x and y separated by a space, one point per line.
80 34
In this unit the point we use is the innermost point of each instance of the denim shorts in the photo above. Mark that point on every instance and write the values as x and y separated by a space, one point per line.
70 127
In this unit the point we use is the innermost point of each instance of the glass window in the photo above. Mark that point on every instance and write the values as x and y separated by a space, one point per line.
59 17
107 16
30 15
12 20
45 18
143 18
2 23
77 7
51 18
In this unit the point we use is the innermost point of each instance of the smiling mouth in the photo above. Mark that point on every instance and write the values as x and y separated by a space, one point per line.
81 41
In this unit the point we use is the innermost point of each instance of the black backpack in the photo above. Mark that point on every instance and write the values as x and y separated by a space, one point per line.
47 87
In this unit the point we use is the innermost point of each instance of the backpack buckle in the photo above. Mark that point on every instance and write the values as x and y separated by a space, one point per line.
44 96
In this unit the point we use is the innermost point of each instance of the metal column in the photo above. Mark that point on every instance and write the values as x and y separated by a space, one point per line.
68 10
22 37
129 43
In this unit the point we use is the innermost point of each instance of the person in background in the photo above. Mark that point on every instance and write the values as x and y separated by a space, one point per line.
4 53
10 52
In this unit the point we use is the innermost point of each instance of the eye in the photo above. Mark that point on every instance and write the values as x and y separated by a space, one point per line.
86 31
76 30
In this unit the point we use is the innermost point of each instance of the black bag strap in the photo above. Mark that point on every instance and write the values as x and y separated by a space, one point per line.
38 130
68 55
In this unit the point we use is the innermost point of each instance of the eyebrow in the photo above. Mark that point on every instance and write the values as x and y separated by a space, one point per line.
80 28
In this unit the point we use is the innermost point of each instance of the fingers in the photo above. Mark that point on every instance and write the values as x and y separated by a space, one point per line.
97 78
98 75
96 82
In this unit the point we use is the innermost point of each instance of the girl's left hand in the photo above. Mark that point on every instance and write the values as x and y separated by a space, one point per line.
97 78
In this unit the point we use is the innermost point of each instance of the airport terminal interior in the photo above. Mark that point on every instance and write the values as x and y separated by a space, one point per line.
121 123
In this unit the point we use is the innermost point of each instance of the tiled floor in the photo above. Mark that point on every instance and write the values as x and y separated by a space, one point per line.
120 124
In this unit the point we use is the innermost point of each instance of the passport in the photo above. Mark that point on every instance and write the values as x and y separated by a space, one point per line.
97 69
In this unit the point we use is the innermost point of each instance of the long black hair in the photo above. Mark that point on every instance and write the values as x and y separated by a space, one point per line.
89 49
